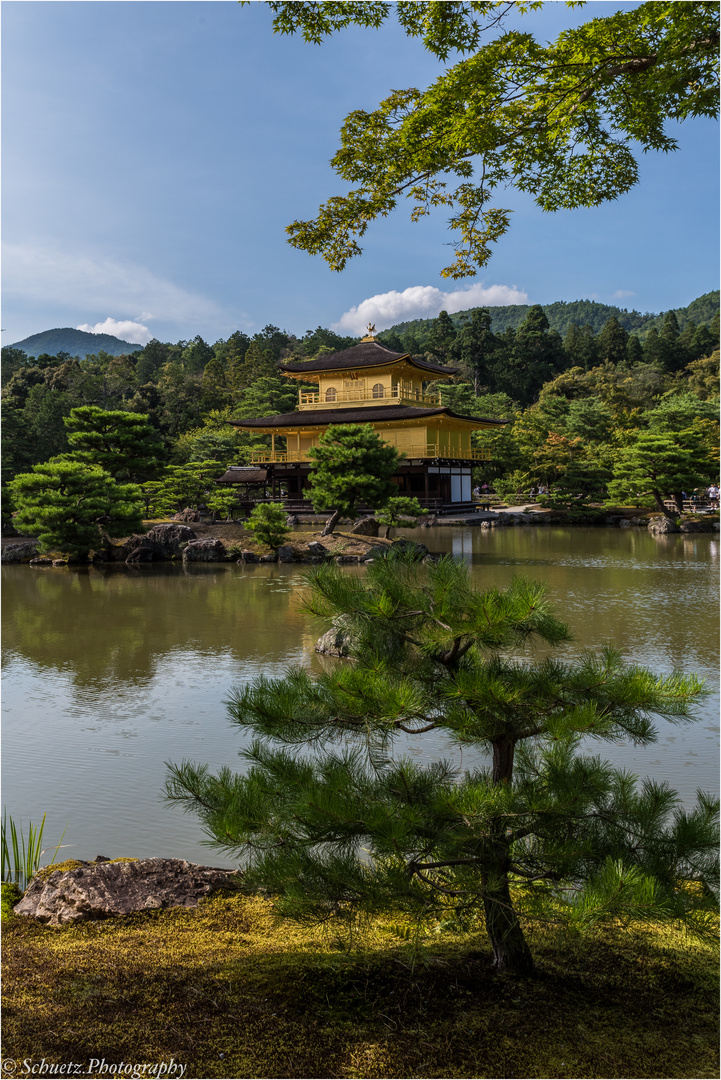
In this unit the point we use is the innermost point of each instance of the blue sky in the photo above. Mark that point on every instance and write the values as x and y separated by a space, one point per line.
153 154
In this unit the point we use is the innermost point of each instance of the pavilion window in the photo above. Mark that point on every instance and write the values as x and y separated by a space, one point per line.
331 394
379 390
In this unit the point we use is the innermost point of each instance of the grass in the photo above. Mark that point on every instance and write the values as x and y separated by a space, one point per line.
227 991
20 858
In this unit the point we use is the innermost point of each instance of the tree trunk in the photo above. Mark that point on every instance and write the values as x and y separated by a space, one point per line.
503 751
662 506
331 523
510 951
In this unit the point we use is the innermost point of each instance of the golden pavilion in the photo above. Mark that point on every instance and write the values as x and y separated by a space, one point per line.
370 384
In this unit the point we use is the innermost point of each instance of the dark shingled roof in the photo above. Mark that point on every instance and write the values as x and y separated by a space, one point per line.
370 415
367 354
243 474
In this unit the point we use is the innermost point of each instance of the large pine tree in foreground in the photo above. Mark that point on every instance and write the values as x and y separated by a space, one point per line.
331 821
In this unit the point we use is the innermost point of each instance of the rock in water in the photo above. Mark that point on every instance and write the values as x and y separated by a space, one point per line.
339 640
168 539
22 552
204 551
662 525
97 890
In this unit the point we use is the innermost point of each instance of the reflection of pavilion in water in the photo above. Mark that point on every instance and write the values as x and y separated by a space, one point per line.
369 384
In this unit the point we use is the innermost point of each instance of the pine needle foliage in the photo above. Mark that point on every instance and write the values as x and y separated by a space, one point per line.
330 820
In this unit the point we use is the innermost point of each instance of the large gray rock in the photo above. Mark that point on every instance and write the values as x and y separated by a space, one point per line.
338 641
97 890
144 551
285 553
366 526
21 552
316 549
204 551
661 525
187 515
168 540
413 547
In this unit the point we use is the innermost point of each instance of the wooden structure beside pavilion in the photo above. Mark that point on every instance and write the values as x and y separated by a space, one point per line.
369 384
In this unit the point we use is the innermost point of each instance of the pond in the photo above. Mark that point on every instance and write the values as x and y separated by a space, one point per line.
109 673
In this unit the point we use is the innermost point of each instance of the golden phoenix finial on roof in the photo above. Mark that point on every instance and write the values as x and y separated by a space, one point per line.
371 329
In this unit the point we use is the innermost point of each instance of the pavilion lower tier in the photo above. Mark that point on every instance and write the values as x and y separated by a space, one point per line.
436 483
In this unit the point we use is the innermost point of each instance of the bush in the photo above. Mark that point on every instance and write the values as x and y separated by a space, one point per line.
269 524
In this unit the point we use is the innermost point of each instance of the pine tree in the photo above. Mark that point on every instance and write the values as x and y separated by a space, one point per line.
663 466
71 506
125 444
330 820
351 465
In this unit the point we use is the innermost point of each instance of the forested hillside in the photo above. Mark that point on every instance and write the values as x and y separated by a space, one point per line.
579 400
562 314
73 342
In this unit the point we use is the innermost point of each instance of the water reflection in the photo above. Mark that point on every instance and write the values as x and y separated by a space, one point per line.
109 673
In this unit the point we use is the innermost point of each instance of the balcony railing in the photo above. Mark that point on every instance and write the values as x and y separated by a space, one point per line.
429 450
399 395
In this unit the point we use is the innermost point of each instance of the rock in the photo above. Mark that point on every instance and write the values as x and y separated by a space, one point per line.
23 552
41 560
418 551
625 523
347 558
696 526
97 890
315 548
270 557
187 515
248 556
143 552
291 520
60 562
662 525
339 640
204 551
168 540
378 550
365 526
285 553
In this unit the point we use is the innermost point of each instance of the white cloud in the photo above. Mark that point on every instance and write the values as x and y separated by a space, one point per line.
621 294
94 284
423 302
126 330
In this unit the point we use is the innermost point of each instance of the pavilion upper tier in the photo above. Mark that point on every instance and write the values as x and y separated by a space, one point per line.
365 375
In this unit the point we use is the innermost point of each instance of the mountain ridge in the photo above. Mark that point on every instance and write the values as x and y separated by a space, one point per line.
74 342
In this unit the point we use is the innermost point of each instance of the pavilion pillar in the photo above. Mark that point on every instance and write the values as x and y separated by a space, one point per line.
272 447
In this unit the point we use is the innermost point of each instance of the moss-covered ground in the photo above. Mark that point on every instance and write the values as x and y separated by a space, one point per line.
229 992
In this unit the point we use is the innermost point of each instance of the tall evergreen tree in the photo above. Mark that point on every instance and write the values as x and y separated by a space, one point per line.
612 342
442 337
475 346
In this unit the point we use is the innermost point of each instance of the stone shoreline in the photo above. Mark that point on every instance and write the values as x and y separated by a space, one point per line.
228 541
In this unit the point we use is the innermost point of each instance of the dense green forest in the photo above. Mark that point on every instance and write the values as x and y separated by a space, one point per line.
581 402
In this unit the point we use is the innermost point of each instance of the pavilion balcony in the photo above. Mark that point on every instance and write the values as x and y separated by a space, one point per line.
395 395
429 450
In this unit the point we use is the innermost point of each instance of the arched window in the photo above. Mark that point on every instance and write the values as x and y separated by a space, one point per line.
379 390
331 394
